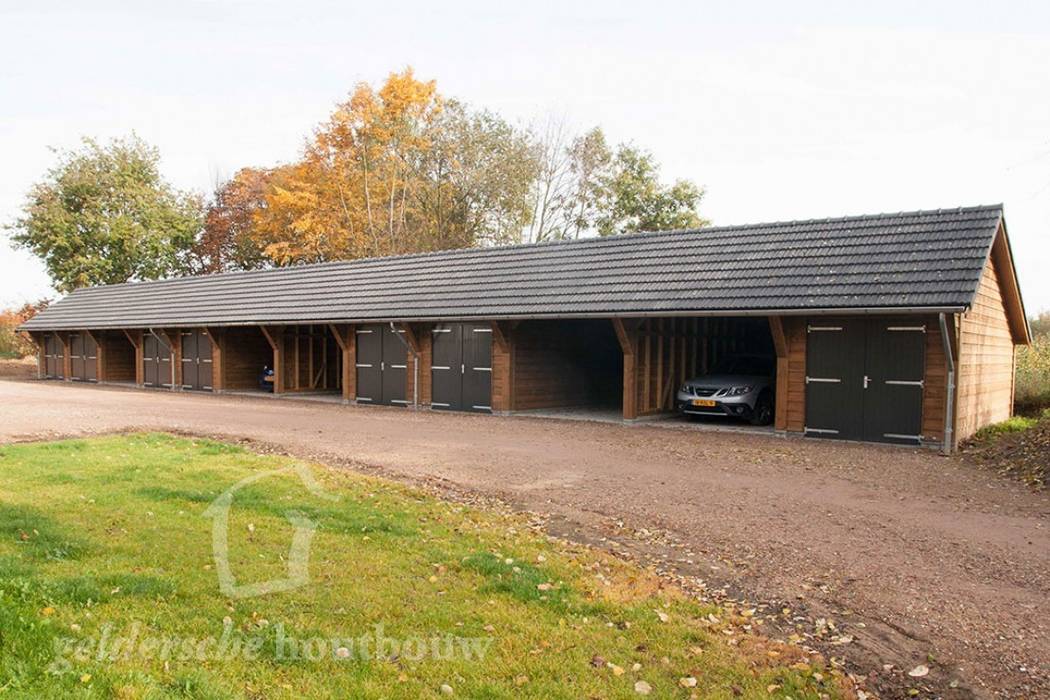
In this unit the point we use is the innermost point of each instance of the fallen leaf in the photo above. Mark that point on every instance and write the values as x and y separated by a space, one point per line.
919 671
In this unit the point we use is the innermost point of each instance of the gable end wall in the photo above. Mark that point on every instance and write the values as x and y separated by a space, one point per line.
986 360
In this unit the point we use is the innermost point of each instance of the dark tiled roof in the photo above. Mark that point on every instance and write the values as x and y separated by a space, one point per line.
924 259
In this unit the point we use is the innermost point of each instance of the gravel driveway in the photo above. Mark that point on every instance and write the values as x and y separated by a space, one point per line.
907 557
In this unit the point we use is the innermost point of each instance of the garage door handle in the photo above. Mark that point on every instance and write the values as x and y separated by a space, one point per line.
462 369
382 366
867 380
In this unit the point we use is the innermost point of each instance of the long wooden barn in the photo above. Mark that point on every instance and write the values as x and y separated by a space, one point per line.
891 328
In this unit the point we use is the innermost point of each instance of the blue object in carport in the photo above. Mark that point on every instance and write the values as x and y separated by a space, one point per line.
266 379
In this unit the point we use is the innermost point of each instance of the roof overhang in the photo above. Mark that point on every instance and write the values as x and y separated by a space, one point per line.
699 313
1000 254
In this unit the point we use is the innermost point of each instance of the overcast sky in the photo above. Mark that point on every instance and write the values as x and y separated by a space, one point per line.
781 110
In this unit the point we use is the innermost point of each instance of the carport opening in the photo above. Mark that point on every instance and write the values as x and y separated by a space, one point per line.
118 357
573 366
247 354
312 361
712 351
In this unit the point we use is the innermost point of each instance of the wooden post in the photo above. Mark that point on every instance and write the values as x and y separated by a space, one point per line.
408 332
135 338
502 367
628 345
218 367
347 341
67 359
646 365
776 329
275 336
297 339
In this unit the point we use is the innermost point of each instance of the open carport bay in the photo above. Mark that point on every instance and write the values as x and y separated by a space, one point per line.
601 368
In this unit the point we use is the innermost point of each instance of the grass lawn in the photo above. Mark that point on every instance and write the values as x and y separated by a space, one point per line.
109 588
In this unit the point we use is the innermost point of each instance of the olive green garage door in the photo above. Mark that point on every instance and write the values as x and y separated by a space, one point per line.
461 369
865 379
382 364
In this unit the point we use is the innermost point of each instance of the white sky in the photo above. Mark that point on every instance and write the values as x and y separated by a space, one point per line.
781 109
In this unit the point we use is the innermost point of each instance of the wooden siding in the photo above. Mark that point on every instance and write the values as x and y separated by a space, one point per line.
244 353
934 393
986 359
426 358
116 357
791 377
312 359
503 353
560 364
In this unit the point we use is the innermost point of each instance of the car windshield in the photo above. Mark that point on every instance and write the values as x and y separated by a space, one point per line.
749 365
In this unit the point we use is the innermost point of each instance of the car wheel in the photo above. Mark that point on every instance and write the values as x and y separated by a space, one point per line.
763 412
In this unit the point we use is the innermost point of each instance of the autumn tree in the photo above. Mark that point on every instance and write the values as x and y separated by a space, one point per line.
226 241
13 342
397 170
400 169
352 193
105 215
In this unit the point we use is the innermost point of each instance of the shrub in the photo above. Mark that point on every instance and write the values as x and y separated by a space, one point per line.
1032 392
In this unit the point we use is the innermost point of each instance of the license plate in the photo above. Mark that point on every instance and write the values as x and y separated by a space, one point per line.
703 402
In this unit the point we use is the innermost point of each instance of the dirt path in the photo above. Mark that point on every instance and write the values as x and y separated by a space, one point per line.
914 558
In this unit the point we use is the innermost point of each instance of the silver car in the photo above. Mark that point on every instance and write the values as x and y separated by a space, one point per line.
740 386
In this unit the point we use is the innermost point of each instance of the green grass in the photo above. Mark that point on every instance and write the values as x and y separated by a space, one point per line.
106 539
1015 424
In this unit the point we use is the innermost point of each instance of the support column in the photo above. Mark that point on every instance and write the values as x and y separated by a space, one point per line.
502 367
218 367
776 329
275 336
346 339
625 333
67 358
135 338
412 377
